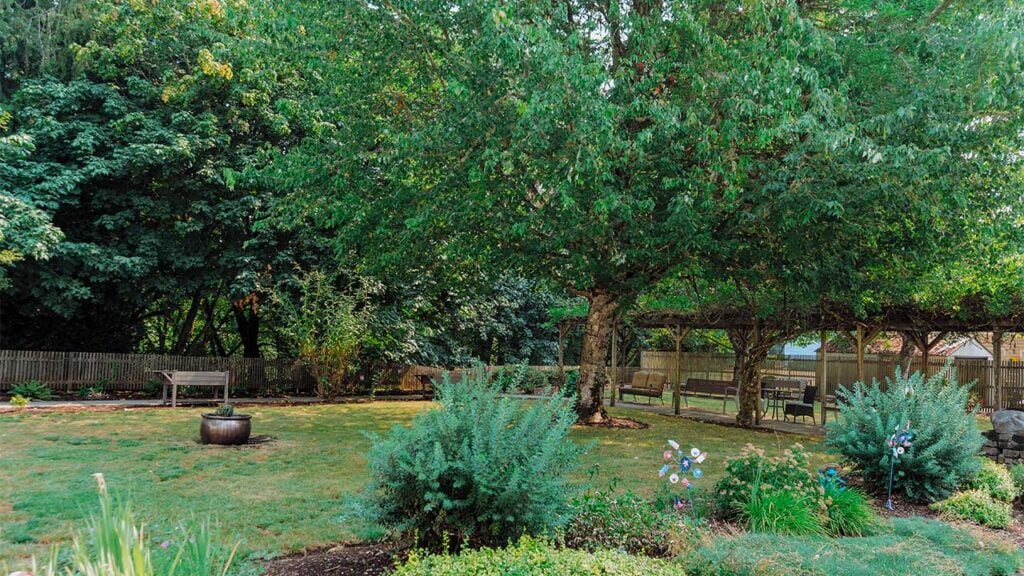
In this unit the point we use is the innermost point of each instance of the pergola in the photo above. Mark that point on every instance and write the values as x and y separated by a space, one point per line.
925 329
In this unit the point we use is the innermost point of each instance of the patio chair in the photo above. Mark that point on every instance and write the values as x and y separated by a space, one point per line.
804 408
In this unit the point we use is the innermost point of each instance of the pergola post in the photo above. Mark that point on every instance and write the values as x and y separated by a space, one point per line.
997 366
824 375
615 362
679 333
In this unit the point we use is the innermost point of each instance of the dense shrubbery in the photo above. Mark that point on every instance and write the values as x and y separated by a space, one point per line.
480 470
996 480
33 390
780 495
626 522
976 506
521 378
1017 474
946 437
536 558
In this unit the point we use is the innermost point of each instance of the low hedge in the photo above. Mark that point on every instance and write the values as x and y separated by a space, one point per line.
532 557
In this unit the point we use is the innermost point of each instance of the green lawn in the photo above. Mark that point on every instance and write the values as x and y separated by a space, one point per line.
278 497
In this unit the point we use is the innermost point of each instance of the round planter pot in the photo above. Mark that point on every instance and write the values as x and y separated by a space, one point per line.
225 430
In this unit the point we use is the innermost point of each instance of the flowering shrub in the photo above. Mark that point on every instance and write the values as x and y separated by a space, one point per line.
752 468
625 522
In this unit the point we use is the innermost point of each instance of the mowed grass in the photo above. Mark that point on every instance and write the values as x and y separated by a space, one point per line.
288 495
278 497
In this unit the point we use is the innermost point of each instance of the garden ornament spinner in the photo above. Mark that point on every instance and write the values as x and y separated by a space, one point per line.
678 464
899 443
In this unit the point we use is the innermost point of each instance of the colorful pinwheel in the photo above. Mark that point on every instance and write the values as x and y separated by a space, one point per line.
678 464
899 443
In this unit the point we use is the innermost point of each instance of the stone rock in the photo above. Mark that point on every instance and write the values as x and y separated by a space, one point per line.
991 451
1008 422
1011 454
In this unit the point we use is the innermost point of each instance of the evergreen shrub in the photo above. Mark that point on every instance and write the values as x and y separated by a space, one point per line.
946 437
481 470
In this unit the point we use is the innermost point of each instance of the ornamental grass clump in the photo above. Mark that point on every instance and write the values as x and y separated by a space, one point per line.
481 470
774 494
946 437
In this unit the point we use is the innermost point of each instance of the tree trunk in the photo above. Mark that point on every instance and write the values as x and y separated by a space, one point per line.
185 334
750 347
247 320
596 338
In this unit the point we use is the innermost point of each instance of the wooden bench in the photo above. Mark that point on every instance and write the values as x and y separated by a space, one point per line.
709 389
176 378
650 384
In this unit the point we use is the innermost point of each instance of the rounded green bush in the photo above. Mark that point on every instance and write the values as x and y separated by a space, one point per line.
976 506
481 470
946 442
996 480
535 558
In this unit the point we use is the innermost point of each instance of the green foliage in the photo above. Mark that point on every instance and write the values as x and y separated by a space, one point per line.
752 471
996 480
33 390
904 546
521 378
1017 474
93 391
848 512
531 557
479 470
946 437
328 325
115 543
781 512
976 506
225 410
19 401
625 522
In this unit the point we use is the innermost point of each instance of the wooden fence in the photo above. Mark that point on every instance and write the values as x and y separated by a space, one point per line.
842 371
70 371
67 372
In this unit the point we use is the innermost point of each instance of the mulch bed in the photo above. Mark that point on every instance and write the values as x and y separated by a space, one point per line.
354 560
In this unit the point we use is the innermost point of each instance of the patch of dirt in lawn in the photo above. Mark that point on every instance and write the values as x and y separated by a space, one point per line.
352 560
624 423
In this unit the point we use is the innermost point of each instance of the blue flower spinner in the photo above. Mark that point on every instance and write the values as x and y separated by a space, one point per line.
679 464
899 443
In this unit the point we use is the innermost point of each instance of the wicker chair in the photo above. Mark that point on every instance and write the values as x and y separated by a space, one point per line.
802 409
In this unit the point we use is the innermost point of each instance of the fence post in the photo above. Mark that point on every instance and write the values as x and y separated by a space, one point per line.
997 364
824 376
615 361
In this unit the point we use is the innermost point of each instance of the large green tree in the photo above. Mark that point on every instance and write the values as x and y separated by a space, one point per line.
595 144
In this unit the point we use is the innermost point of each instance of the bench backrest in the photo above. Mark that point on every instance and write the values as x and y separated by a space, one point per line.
182 378
780 384
639 380
656 381
707 386
648 380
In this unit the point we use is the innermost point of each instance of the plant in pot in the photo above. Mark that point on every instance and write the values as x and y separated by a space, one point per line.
225 427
